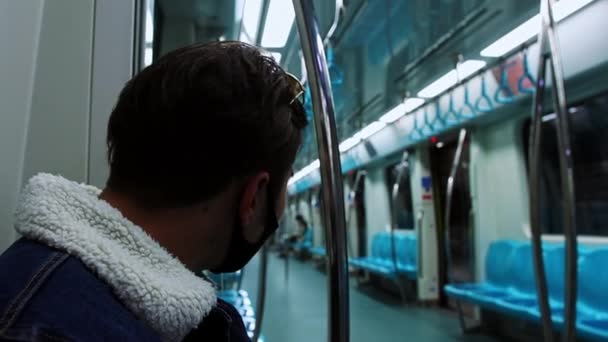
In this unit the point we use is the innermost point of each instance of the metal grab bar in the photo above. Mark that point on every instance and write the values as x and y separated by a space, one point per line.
484 97
353 195
504 86
261 299
331 174
462 136
419 268
548 39
394 195
339 7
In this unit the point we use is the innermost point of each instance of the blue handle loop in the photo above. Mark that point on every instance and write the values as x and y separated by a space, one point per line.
527 75
427 123
468 109
484 97
438 119
451 112
419 131
503 87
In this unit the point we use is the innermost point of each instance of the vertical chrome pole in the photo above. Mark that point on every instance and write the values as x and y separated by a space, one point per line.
394 195
353 196
331 174
261 299
549 51
448 213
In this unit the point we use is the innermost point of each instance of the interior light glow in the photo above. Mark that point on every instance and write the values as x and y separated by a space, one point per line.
468 68
349 143
304 172
412 104
438 86
564 8
276 56
529 29
371 129
549 117
448 80
149 29
393 114
402 109
251 19
278 24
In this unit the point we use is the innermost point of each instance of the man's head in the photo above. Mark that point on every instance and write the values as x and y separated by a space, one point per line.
209 130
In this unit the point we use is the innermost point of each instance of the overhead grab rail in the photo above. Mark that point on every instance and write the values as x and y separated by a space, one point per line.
550 52
462 136
401 168
330 169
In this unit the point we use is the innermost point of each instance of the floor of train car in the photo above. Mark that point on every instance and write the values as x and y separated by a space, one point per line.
297 310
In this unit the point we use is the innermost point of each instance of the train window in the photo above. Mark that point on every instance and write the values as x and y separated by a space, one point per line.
588 127
403 205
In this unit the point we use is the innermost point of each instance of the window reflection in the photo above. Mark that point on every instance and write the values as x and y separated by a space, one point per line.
588 127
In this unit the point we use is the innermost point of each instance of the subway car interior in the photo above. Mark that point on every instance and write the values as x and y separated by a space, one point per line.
452 183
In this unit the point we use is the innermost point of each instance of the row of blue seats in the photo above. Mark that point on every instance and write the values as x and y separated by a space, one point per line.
381 259
240 300
510 286
228 284
305 244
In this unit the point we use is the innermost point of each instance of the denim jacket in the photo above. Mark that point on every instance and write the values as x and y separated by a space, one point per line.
82 272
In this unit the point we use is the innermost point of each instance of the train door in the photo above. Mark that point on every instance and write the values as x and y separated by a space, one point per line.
355 213
461 244
398 178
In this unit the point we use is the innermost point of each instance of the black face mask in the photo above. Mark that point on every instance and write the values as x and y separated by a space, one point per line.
240 251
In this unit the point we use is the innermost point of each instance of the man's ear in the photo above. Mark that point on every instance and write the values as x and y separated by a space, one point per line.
253 198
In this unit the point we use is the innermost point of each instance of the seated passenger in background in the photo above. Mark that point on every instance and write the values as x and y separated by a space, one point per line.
200 146
302 230
299 236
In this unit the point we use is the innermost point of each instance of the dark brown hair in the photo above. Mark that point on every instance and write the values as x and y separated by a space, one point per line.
199 118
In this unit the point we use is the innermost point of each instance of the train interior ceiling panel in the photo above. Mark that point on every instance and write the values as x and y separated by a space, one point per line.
452 182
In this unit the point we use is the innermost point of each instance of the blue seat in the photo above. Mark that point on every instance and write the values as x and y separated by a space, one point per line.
510 287
318 251
381 259
306 243
593 298
500 260
240 300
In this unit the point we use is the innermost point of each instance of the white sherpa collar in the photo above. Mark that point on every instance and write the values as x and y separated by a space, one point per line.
148 280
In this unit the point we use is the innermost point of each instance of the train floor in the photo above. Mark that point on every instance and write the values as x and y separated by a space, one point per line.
296 309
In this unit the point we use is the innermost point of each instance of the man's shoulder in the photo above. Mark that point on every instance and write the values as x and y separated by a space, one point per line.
47 292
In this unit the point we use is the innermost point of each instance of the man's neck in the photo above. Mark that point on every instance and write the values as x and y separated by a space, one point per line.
180 231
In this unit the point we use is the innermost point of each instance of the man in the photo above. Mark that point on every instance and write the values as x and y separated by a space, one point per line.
200 147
